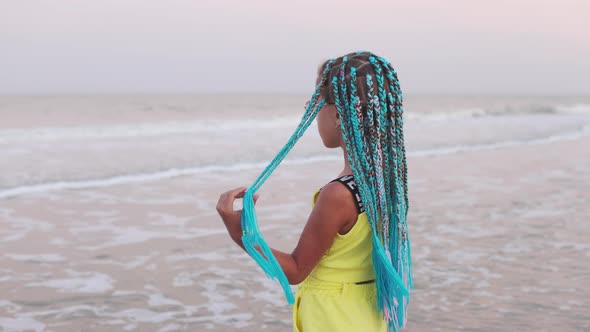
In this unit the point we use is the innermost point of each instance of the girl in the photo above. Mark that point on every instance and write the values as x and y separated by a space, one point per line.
352 263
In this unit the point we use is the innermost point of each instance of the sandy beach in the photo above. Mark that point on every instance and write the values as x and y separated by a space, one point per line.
499 242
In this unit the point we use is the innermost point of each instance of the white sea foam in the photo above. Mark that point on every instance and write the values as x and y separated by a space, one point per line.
573 135
475 112
49 134
128 235
62 185
21 324
170 328
575 109
206 256
8 304
43 258
156 300
185 279
90 282
444 116
133 235
145 177
144 315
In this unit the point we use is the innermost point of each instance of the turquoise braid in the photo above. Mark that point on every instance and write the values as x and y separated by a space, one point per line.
385 137
390 263
250 232
404 261
356 144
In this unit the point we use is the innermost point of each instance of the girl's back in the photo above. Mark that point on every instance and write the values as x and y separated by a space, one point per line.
339 294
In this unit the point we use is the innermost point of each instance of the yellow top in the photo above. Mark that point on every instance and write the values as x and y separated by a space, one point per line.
329 298
349 257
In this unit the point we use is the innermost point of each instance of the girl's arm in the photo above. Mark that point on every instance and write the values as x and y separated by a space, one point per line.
333 210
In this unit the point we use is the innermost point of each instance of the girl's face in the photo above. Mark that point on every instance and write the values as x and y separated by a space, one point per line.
329 126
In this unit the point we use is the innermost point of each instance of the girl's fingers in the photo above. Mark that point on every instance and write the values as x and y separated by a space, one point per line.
226 200
242 193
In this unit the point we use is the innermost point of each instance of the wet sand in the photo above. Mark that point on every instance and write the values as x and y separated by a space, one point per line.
499 238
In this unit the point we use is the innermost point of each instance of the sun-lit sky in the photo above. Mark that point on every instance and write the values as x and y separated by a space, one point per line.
264 46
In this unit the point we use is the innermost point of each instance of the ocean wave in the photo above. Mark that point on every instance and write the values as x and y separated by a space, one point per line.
143 129
475 112
584 131
144 177
49 134
575 109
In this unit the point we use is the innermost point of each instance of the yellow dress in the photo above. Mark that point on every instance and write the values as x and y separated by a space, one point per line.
329 299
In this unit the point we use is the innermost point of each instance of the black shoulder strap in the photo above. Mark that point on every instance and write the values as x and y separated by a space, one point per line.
348 181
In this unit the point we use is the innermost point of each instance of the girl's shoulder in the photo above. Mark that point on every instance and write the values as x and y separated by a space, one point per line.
338 198
346 188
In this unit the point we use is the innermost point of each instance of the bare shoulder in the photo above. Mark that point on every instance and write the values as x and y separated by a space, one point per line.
334 192
337 200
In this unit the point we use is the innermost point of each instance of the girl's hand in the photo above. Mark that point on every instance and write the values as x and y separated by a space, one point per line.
230 217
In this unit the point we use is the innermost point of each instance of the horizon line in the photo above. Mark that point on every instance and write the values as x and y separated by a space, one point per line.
277 93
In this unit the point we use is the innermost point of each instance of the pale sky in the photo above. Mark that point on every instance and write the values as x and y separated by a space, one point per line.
265 46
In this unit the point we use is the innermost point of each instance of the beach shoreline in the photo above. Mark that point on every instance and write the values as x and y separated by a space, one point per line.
496 235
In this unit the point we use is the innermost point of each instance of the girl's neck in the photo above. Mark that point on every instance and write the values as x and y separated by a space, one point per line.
347 170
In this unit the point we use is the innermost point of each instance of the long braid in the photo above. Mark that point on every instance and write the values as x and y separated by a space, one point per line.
381 184
385 123
376 172
398 101
250 232
404 253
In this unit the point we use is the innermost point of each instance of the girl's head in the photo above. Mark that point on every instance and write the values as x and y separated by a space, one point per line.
338 76
359 92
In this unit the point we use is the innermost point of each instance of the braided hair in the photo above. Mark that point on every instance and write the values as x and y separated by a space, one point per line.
366 93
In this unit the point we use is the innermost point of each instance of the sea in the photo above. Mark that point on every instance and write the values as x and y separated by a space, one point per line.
108 221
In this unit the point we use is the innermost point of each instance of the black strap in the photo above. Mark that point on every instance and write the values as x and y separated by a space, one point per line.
348 181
